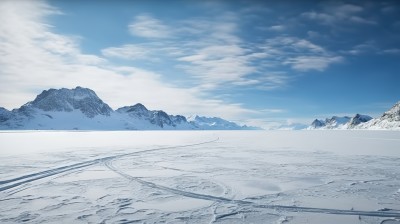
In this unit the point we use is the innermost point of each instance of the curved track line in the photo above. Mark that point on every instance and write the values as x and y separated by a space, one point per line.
168 189
110 165
14 182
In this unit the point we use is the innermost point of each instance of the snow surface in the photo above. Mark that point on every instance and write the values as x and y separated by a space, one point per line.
200 177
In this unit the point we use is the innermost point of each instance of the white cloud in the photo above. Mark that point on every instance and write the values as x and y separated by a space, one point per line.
217 56
320 17
313 34
300 54
333 14
146 26
306 63
272 110
33 58
128 51
220 30
361 20
391 51
219 63
388 8
277 28
273 80
343 10
289 45
366 47
370 47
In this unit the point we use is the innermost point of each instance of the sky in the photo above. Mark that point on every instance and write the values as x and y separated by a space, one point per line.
262 63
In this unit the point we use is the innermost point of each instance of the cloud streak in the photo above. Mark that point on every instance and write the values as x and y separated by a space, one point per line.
333 14
128 51
145 25
300 54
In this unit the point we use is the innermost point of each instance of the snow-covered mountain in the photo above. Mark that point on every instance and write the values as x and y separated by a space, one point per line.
80 108
389 120
358 119
216 123
4 114
317 124
152 119
334 122
68 100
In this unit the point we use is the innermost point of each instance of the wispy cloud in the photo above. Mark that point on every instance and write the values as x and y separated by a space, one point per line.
370 47
391 51
333 14
128 51
147 26
363 48
306 63
291 46
271 110
220 64
277 28
388 8
300 54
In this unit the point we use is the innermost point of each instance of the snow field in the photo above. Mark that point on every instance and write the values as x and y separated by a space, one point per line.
200 177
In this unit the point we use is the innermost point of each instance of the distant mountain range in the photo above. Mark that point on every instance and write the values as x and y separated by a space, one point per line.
216 123
81 109
390 120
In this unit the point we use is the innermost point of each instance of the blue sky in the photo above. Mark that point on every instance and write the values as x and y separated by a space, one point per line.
264 63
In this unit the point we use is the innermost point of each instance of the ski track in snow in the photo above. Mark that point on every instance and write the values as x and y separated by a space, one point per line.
17 181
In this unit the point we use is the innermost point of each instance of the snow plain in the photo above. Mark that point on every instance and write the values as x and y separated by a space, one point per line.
200 176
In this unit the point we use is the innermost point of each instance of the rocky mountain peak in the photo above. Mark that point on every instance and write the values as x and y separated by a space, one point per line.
67 100
393 114
317 123
358 119
4 114
138 108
